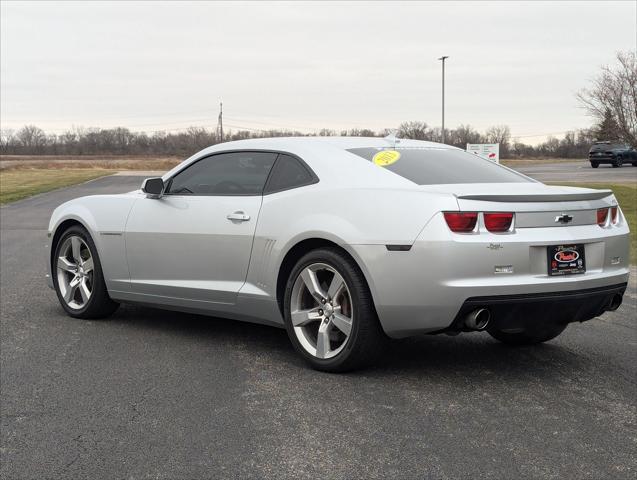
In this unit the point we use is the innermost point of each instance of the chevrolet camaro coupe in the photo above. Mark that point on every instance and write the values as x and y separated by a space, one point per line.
345 242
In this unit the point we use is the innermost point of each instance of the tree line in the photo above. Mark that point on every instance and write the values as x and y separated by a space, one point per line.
32 140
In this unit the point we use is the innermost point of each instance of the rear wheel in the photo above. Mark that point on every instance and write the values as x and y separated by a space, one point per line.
594 164
619 161
530 335
77 276
329 313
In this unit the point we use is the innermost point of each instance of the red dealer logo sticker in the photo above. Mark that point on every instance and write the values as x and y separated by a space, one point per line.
566 256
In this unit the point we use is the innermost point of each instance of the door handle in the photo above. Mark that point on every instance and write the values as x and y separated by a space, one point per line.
238 217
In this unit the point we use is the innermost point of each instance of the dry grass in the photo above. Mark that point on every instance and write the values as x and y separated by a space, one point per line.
525 162
109 162
16 184
23 176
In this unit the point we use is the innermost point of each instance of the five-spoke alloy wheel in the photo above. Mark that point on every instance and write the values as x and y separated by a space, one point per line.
75 270
321 310
329 313
77 275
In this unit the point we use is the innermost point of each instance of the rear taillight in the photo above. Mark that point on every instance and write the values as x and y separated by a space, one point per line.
602 215
614 215
498 222
461 222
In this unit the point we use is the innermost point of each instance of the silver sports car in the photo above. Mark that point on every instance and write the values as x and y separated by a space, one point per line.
345 242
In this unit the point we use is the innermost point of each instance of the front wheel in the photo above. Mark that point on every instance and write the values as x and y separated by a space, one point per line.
531 335
618 162
594 164
329 313
77 276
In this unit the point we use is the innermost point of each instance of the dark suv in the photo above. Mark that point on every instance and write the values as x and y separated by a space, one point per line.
614 153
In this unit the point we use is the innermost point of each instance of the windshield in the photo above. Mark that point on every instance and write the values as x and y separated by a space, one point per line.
431 166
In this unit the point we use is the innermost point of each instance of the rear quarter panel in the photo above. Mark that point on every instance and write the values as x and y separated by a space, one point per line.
347 217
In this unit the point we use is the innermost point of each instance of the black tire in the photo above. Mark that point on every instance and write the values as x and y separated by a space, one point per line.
367 339
634 164
99 305
594 164
528 336
618 162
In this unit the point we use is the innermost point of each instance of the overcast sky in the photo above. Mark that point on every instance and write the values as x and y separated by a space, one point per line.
165 66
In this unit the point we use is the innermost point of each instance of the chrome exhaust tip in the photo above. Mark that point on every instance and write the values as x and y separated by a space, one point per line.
615 302
478 319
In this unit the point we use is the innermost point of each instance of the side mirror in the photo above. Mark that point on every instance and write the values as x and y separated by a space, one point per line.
153 187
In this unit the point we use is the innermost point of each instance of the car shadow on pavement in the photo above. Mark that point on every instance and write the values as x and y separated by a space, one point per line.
473 355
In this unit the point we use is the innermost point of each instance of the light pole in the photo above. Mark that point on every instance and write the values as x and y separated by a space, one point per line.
443 58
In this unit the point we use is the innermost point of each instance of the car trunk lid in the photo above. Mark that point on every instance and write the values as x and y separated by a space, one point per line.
534 204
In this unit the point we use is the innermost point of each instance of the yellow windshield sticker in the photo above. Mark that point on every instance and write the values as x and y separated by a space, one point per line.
386 158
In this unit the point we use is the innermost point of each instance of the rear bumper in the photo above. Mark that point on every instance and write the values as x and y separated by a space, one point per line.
554 307
604 158
424 289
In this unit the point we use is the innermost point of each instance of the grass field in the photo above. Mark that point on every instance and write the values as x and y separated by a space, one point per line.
110 162
626 195
525 162
22 175
16 184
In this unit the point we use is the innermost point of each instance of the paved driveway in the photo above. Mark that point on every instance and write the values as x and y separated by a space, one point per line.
580 171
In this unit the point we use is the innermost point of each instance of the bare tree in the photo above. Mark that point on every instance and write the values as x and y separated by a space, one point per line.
499 134
7 137
414 129
615 90
326 132
462 135
31 138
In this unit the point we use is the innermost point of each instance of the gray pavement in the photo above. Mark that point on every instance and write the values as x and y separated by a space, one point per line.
580 171
163 395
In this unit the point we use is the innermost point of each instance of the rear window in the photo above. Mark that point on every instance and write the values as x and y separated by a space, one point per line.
431 166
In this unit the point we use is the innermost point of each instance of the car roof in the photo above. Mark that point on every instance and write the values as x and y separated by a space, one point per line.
326 156
344 143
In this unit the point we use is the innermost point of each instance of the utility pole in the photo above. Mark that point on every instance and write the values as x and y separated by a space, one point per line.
443 58
220 123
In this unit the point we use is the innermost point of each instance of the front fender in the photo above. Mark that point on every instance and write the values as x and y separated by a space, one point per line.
104 217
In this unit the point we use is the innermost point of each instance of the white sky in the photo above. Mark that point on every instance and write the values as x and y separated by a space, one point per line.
165 66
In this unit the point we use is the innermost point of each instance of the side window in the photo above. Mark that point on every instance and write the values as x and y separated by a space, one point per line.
237 173
288 173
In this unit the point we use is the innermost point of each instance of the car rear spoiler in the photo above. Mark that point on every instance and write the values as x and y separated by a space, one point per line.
539 197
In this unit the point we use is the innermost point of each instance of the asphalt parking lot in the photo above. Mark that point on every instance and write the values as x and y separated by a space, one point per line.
580 171
163 395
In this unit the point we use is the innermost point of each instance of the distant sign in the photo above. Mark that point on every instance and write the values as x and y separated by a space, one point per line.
490 151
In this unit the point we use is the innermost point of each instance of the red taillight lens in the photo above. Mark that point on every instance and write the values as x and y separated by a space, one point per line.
498 222
461 221
602 214
614 214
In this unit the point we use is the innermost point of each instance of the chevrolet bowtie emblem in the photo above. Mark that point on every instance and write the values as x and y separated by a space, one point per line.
564 218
